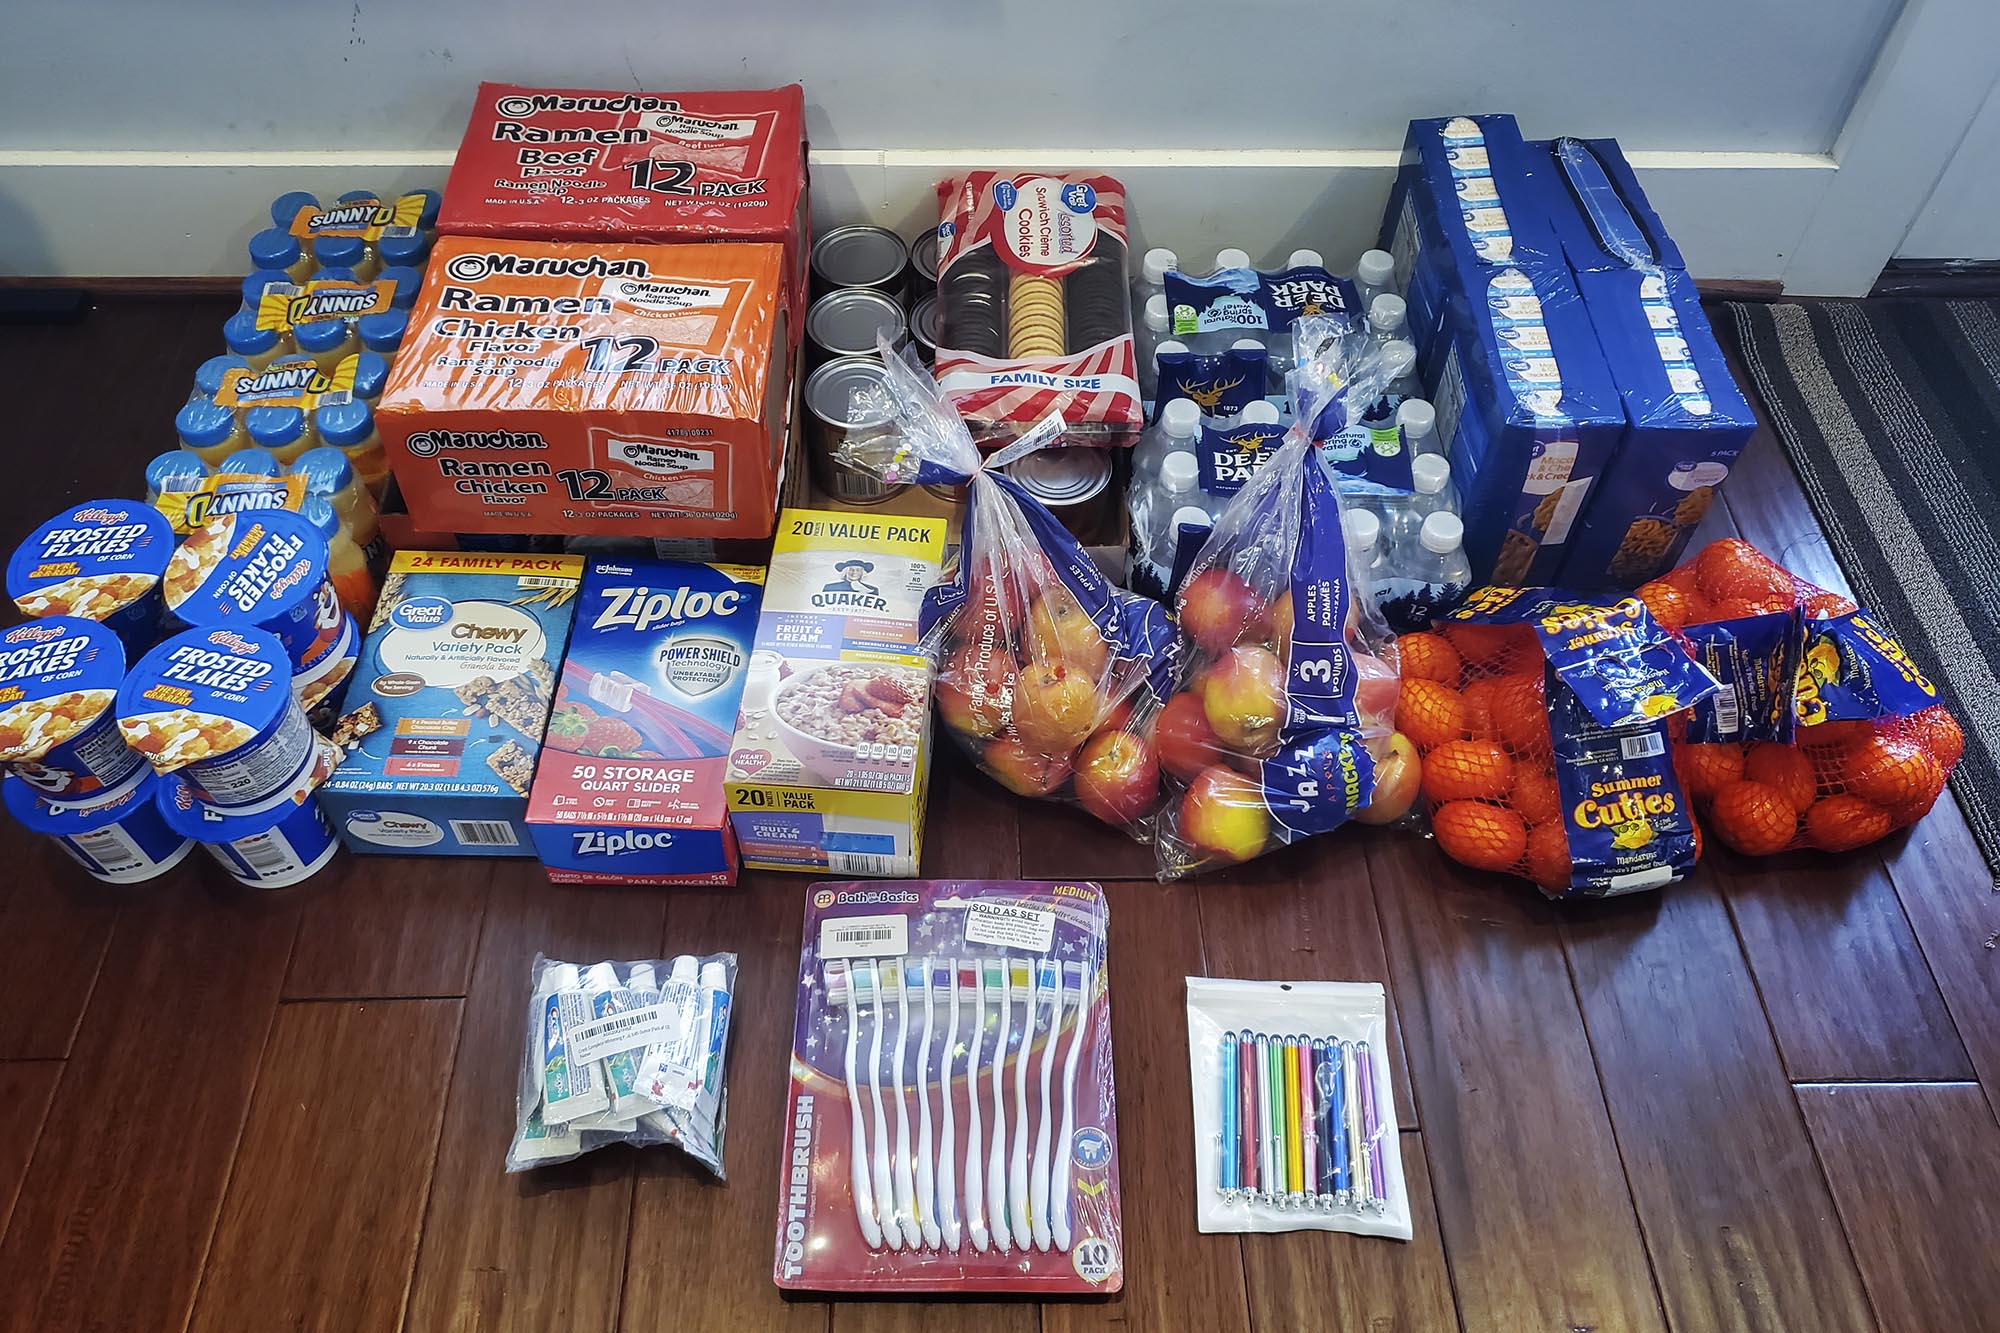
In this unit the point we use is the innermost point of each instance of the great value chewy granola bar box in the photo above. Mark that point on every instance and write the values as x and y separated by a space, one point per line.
629 789
617 390
832 747
446 709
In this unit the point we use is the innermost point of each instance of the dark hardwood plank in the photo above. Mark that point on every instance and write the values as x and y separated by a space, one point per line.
319 1229
1306 916
1734 1210
1174 1276
58 916
1318 1279
1531 1197
972 824
365 932
544 1249
1060 841
114 1219
26 1089
1915 1171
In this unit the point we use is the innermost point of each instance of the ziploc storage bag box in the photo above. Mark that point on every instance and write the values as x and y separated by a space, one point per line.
832 748
619 390
446 709
629 787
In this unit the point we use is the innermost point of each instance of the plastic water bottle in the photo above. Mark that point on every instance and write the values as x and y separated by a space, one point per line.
1262 412
1305 259
1178 489
1230 257
1374 275
1429 580
1431 493
1153 269
1154 325
1364 544
1179 429
1388 318
1170 345
1245 344
1400 357
1419 421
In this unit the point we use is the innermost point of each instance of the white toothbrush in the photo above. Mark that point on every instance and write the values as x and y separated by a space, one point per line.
839 979
927 1206
1017 1174
1059 1201
947 1158
906 1187
884 1193
1002 982
975 1157
1049 978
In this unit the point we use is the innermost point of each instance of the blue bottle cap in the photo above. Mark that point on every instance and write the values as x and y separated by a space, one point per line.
383 332
244 337
336 273
255 283
371 372
318 511
325 469
253 461
275 427
409 250
433 201
322 335
407 281
286 206
203 424
338 251
175 470
274 248
356 196
345 424
208 375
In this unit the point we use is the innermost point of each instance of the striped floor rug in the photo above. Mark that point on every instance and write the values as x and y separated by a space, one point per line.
1890 413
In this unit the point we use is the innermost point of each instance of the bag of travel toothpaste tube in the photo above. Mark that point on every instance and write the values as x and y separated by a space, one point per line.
626 1052
1277 725
1047 673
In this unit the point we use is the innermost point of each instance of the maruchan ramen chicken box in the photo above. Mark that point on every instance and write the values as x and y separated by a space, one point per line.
598 388
547 164
629 789
446 709
832 747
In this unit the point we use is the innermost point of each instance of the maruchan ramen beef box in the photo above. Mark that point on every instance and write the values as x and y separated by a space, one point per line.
619 390
832 746
629 788
446 709
547 164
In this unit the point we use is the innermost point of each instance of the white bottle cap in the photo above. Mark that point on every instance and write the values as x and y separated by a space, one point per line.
1170 345
1192 517
1179 473
566 978
714 976
1156 315
642 977
601 976
1430 473
1246 345
1262 412
1388 313
1231 257
1376 269
685 968
1399 357
1181 418
1417 417
1363 530
1305 259
1442 534
1159 262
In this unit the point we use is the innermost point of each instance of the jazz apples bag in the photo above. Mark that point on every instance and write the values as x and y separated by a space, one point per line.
1278 726
1826 734
1047 673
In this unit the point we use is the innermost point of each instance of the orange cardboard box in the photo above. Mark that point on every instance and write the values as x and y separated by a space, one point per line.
592 388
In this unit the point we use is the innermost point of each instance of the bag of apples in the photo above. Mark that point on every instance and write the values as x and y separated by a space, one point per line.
1044 667
1278 726
1542 720
1826 735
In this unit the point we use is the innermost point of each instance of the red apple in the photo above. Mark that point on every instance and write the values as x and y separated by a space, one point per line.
1244 698
1398 775
1059 631
1274 627
1022 771
1117 777
1185 741
975 691
1215 608
1055 708
1223 815
1119 718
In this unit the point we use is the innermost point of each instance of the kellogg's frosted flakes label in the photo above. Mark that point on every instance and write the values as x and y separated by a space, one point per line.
58 730
101 560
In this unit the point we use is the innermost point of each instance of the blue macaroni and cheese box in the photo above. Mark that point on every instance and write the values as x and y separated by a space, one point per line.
629 788
446 709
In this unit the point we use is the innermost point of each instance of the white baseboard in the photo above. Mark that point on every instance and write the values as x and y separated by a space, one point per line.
153 214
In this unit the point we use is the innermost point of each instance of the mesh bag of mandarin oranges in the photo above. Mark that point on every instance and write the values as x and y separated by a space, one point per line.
1278 727
1826 735
1543 719
1046 671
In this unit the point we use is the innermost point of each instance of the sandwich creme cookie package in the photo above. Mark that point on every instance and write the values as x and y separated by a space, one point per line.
828 766
102 560
447 706
629 789
951 1121
624 1052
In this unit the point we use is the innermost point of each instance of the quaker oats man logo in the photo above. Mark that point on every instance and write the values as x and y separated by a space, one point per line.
853 578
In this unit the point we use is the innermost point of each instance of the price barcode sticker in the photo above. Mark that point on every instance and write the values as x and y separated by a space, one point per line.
545 581
1010 926
1645 745
1728 712
627 1031
886 936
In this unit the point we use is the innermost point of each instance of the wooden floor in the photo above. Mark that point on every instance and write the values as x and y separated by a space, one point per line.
1758 1100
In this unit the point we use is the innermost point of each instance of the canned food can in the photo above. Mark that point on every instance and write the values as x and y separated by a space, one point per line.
272 849
261 569
58 729
859 257
924 266
103 560
846 323
1074 484
834 419
924 329
120 839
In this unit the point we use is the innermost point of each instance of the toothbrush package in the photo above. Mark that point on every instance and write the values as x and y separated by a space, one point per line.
1294 1118
951 1119
624 1053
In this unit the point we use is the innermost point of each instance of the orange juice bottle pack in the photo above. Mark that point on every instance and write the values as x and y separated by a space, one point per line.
592 387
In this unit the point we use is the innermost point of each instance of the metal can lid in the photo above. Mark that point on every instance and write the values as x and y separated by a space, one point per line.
845 322
1063 476
830 392
924 322
859 256
924 256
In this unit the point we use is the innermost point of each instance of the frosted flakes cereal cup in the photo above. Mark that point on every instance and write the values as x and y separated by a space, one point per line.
101 560
272 849
120 839
264 569
58 731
